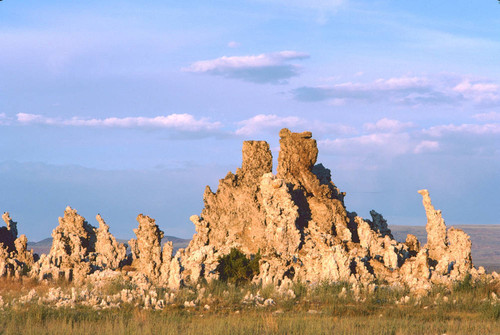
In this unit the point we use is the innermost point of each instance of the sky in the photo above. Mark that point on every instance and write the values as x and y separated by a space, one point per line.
128 107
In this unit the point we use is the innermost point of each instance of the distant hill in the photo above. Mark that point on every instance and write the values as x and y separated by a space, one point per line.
485 242
43 246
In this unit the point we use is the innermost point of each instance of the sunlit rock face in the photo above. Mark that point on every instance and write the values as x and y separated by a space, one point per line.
109 253
297 220
79 249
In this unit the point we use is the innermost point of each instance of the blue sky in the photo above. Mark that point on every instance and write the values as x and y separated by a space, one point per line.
127 107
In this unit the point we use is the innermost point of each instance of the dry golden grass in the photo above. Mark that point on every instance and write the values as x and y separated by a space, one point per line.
465 308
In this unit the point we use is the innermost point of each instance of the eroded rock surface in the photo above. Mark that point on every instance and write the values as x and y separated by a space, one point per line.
15 259
449 251
78 249
296 220
110 253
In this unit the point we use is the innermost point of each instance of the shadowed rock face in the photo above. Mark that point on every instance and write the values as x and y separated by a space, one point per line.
298 222
296 219
15 259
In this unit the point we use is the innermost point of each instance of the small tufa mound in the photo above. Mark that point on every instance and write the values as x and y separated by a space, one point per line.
15 259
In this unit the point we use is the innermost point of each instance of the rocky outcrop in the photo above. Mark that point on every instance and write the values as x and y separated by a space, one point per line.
298 223
15 259
146 249
78 249
8 234
295 220
109 253
449 251
72 242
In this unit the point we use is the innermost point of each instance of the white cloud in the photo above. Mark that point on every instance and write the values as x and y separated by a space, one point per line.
272 122
233 44
263 68
475 129
387 125
181 122
262 122
3 118
426 146
479 91
413 91
396 89
490 116
387 144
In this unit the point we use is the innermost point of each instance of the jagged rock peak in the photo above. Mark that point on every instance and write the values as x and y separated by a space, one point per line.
110 253
436 228
146 249
257 159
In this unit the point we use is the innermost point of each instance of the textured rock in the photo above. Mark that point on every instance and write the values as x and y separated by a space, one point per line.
15 259
79 249
110 254
146 249
436 228
8 234
449 251
297 220
69 257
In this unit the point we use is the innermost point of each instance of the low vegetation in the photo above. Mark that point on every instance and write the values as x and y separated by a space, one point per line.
219 307
237 268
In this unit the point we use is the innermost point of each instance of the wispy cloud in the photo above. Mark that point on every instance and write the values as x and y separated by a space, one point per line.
481 92
387 125
271 122
3 118
411 91
475 129
264 68
426 146
386 144
180 122
233 44
489 116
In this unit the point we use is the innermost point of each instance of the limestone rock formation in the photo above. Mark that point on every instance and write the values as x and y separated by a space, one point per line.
298 222
15 259
449 252
8 234
146 249
69 257
110 253
78 249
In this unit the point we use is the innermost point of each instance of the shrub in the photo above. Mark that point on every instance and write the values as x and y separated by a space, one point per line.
236 268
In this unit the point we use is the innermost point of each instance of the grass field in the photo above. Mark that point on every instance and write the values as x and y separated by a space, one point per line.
464 308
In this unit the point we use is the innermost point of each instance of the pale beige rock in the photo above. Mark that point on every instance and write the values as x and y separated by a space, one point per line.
449 251
436 229
69 257
298 222
15 259
110 253
146 248
413 244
